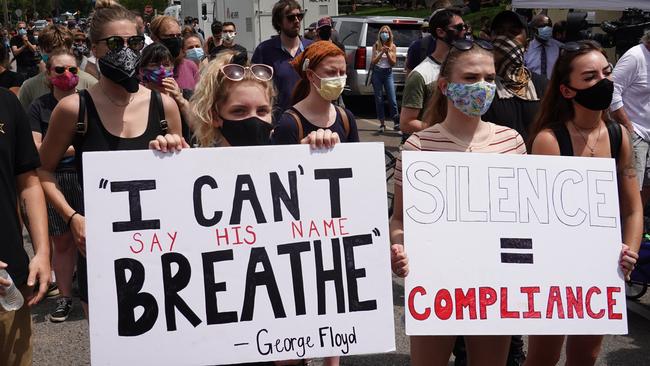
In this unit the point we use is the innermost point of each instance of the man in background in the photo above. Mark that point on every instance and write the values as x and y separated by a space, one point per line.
228 34
543 50
25 50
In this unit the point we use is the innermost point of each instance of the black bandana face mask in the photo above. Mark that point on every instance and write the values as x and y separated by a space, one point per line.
250 131
121 68
597 97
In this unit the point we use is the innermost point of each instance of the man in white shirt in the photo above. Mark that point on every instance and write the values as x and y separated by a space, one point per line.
543 50
631 106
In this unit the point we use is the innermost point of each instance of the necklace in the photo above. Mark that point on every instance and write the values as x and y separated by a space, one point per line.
592 149
113 101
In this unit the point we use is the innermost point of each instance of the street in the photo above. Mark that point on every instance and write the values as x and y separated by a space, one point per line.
67 343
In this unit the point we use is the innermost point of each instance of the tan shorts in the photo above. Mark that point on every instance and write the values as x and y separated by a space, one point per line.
16 337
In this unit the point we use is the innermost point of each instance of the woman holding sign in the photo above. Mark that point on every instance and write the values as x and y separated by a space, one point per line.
114 114
572 123
466 87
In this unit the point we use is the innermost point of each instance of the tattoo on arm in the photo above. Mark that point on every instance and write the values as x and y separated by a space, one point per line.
627 171
23 212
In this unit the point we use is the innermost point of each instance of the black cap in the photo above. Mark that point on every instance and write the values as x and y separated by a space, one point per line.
508 16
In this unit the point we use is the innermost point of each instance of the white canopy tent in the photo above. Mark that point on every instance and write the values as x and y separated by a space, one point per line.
582 4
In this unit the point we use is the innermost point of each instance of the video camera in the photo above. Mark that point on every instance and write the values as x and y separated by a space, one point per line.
623 33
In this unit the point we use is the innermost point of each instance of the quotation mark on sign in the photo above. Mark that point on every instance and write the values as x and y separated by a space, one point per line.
376 232
103 183
517 243
302 172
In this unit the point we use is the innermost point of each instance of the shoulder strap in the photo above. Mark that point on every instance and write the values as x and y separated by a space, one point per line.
615 139
296 118
563 140
346 121
82 127
164 126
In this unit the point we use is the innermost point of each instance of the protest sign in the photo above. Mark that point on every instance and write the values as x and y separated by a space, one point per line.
512 244
230 255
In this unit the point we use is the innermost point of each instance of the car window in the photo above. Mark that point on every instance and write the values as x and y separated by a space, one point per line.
403 34
349 33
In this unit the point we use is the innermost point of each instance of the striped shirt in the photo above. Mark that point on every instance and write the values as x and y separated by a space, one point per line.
501 140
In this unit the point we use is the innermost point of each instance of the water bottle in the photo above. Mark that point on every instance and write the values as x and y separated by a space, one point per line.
13 299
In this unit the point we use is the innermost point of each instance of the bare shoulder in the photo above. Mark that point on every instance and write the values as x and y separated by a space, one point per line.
545 143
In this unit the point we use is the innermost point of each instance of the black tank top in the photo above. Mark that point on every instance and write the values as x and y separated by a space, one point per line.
97 138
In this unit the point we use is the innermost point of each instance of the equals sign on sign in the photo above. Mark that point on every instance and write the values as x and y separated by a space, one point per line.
517 243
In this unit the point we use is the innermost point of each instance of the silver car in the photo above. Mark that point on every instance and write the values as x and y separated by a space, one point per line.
359 33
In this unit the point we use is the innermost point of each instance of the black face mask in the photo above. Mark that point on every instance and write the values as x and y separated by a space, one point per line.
597 97
325 34
450 37
251 131
121 68
174 45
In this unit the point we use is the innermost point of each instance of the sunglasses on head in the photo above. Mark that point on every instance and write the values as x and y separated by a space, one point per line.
61 69
577 46
466 44
116 43
293 17
235 72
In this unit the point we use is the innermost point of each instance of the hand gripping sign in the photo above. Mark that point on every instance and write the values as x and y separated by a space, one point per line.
511 244
229 255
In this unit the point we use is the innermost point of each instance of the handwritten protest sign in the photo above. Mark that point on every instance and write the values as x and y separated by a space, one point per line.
229 255
510 244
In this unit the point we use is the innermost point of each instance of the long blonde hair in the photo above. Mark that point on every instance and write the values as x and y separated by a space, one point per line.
212 90
379 44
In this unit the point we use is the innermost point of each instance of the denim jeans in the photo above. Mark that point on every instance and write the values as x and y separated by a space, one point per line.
382 79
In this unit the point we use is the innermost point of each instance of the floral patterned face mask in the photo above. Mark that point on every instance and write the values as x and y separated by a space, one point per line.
472 99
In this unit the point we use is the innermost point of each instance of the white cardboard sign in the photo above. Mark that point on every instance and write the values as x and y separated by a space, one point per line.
511 244
230 255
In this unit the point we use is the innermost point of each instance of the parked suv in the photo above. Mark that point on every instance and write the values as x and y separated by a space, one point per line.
359 33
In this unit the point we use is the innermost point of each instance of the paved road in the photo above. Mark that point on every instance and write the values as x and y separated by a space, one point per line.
67 343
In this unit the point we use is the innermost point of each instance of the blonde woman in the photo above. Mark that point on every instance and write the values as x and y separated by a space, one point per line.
384 57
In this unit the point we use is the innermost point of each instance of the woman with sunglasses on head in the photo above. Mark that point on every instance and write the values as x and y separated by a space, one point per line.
165 30
572 122
62 76
322 72
384 57
114 114
463 93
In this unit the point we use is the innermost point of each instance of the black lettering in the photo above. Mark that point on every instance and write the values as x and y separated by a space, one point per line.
334 176
172 285
352 273
294 250
278 193
323 276
242 195
135 208
129 297
264 278
212 314
205 180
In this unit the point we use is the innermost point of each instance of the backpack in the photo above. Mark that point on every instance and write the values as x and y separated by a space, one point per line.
615 139
301 132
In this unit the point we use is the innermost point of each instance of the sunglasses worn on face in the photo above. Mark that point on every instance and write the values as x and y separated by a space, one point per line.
61 69
235 72
459 27
293 17
115 43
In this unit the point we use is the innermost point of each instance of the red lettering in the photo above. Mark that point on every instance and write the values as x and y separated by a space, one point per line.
342 231
554 299
155 240
296 227
590 312
465 300
330 226
411 302
139 241
486 296
574 303
313 227
505 313
249 229
530 293
443 311
237 241
173 238
611 302
224 236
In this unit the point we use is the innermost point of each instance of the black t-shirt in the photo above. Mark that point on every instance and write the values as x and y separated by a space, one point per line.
517 113
27 57
10 79
214 50
286 131
18 155
39 113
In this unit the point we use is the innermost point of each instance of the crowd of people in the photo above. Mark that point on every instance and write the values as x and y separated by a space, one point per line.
121 84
